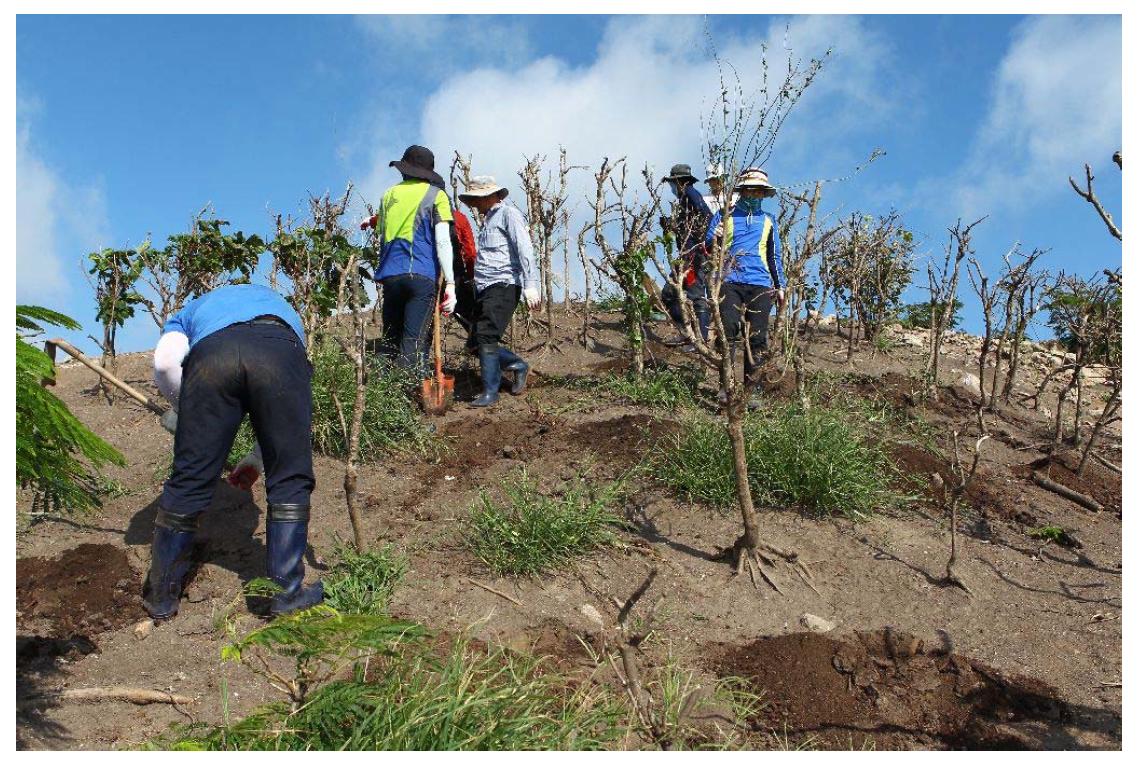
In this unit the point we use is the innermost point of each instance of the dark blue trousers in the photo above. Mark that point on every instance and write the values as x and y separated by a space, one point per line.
251 368
408 302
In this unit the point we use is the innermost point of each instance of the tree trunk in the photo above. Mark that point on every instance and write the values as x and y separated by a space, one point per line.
735 427
1108 409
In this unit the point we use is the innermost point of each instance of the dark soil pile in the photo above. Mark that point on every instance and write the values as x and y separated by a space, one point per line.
887 688
624 440
86 590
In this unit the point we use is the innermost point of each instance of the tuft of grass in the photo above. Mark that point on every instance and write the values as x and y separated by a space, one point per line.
390 418
609 301
662 387
364 583
531 533
824 460
465 700
1057 534
693 716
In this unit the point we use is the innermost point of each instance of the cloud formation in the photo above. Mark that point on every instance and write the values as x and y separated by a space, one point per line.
643 96
1056 103
57 222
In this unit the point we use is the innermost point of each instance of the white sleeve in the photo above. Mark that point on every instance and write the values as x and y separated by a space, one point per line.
445 251
168 360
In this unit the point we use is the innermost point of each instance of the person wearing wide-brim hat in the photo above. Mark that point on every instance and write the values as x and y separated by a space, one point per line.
415 254
754 275
688 222
504 272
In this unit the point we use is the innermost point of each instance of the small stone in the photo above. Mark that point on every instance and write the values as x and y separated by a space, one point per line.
509 452
592 614
143 629
816 623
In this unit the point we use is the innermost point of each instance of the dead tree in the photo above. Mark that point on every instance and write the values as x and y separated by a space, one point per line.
942 284
588 273
951 495
1091 198
1026 296
622 229
546 210
740 132
988 292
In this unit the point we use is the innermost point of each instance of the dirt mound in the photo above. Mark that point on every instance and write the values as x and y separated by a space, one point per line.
1096 481
84 591
989 495
623 440
894 389
886 687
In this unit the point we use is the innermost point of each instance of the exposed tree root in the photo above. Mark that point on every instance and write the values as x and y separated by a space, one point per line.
755 560
952 577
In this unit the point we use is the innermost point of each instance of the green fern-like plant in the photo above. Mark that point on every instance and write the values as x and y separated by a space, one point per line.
57 456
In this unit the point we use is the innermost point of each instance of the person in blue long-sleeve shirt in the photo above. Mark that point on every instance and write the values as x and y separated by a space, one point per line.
754 276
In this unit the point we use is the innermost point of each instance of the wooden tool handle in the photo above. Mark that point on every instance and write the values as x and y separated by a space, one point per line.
79 357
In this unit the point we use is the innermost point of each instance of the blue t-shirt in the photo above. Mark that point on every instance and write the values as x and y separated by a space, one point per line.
226 306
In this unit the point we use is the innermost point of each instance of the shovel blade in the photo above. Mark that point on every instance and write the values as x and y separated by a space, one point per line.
437 394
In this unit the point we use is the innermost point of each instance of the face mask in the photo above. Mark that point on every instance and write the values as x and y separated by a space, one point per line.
675 190
753 204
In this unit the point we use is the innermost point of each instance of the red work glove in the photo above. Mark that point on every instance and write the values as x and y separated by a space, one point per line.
243 477
690 277
368 223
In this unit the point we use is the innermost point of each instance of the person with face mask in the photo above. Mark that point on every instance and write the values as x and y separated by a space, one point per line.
688 223
754 276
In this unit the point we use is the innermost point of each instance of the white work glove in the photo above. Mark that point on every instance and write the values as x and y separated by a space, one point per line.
449 300
533 298
247 471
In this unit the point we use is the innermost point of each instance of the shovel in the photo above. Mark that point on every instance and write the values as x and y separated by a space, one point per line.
438 391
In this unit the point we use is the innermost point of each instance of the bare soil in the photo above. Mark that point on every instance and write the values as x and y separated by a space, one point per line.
1041 640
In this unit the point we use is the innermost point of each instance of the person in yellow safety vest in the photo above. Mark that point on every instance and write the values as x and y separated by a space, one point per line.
414 232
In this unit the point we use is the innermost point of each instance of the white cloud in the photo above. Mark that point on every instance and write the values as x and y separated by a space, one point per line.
643 96
56 222
1055 103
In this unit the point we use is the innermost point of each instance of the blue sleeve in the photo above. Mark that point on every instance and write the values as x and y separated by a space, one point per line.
177 323
698 203
774 257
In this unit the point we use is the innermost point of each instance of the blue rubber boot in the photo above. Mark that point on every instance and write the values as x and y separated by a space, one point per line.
508 360
491 375
286 543
170 562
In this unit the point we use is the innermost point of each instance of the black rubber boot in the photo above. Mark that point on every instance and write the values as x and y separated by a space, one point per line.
286 543
510 361
491 376
170 562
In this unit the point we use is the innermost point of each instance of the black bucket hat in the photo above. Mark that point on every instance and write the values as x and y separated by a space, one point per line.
680 173
417 162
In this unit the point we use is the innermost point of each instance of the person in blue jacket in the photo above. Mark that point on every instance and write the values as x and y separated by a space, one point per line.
234 351
688 223
754 275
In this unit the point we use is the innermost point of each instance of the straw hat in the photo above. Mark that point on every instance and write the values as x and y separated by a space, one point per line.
755 178
482 186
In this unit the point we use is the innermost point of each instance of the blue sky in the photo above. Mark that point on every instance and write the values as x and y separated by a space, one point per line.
128 125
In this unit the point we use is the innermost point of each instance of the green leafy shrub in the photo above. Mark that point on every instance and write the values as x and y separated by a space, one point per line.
919 315
390 419
822 460
531 533
57 456
363 583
